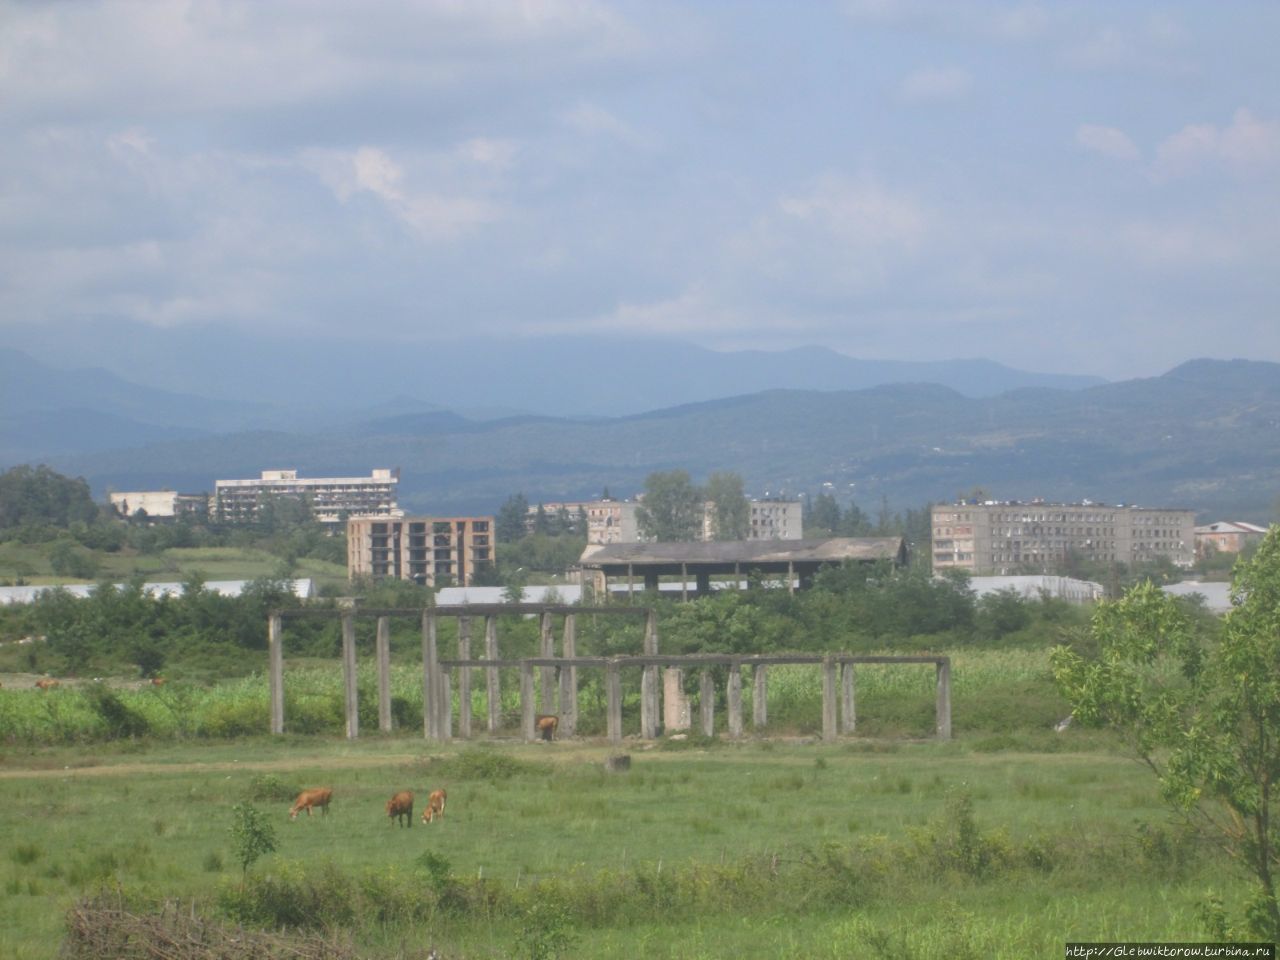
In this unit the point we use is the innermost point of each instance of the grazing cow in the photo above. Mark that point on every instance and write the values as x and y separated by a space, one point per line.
434 807
316 797
157 681
401 805
547 724
47 683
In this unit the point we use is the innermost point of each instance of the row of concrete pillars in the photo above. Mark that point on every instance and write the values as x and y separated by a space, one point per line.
554 687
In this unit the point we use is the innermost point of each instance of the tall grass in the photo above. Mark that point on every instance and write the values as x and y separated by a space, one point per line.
1004 691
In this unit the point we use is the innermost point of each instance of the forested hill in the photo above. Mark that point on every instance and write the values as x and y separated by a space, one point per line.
1206 435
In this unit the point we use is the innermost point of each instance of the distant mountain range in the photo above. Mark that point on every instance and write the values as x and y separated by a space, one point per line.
268 381
1205 435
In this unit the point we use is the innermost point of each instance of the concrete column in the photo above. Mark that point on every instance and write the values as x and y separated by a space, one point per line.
613 701
569 679
528 711
944 699
735 700
707 703
675 705
430 681
631 583
349 675
382 646
492 685
760 697
275 665
446 703
464 678
791 577
849 703
547 648
828 698
649 681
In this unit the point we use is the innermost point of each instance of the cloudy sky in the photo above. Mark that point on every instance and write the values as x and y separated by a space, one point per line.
1065 187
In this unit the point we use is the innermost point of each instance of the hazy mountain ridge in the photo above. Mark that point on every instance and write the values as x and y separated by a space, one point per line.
576 377
1198 441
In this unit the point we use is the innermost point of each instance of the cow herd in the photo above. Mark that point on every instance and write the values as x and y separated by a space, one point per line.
399 807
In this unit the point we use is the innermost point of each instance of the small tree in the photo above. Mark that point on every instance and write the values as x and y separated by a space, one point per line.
251 835
1205 718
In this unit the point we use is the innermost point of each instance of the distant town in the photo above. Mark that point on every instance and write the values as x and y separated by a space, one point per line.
981 537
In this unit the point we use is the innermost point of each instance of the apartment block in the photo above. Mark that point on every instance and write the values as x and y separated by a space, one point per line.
431 551
1011 537
1228 536
331 499
776 520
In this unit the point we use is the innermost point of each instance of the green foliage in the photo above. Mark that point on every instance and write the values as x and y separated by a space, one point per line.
1202 716
546 931
731 514
119 719
483 763
252 837
35 497
672 508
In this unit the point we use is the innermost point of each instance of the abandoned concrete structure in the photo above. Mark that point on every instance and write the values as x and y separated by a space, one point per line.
995 537
331 499
432 551
794 562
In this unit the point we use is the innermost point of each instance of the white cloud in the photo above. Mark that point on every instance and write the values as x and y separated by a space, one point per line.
1107 141
1248 145
948 83
594 120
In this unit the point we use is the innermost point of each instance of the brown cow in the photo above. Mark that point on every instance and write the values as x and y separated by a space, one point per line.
315 797
547 724
401 805
47 683
157 681
434 807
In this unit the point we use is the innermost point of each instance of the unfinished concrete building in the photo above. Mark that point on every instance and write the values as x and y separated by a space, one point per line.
431 551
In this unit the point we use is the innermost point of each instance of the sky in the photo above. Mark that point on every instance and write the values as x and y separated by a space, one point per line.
1083 187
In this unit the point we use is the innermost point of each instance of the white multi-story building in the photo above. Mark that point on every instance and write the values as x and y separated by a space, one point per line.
158 504
1011 537
331 499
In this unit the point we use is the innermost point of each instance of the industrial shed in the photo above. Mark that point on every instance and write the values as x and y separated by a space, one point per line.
793 562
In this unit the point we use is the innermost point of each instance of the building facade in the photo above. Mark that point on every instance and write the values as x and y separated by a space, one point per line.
431 551
331 499
159 504
614 521
1227 536
1011 537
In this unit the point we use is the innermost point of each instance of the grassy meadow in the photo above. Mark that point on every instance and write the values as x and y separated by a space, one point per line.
1005 842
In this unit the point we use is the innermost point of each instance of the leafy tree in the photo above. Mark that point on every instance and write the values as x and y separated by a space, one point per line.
68 560
1204 717
854 522
672 508
251 835
730 512
39 496
510 522
824 515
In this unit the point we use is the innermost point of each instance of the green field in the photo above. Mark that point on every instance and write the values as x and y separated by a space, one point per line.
703 849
